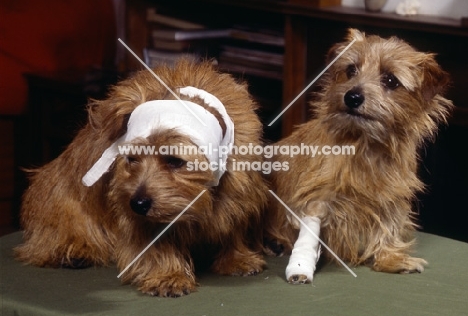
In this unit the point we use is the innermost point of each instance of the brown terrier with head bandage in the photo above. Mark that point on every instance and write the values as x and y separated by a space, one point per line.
94 205
384 99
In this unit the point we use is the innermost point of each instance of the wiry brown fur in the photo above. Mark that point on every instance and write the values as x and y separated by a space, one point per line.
363 200
68 224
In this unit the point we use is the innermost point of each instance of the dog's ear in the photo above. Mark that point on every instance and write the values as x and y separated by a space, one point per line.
109 118
335 50
434 79
355 34
116 128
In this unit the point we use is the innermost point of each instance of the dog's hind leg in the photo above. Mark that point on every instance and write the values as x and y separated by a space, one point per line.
59 233
55 247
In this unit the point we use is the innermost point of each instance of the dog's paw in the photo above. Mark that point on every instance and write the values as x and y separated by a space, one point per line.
239 269
170 286
274 248
243 266
298 279
413 265
399 264
300 272
76 263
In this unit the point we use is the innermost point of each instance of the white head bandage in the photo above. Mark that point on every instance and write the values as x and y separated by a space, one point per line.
155 115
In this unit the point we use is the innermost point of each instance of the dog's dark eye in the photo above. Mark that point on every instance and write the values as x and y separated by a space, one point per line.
132 160
351 71
390 81
174 162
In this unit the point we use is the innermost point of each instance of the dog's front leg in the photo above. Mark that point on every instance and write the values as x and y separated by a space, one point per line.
161 271
279 234
305 253
237 259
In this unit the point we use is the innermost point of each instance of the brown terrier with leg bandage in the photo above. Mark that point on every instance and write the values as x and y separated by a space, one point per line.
384 99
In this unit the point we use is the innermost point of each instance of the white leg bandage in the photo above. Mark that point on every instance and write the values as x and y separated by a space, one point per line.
306 252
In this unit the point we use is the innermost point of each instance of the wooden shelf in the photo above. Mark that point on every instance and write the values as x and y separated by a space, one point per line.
426 23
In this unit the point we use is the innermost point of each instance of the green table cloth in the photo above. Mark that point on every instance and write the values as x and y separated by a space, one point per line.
442 289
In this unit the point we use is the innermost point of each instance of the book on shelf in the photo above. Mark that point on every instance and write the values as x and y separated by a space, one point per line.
175 46
186 35
153 57
255 56
234 33
247 49
174 34
252 61
247 70
152 16
245 34
259 35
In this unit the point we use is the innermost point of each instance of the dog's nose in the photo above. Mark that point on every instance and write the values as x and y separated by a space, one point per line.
141 205
354 98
